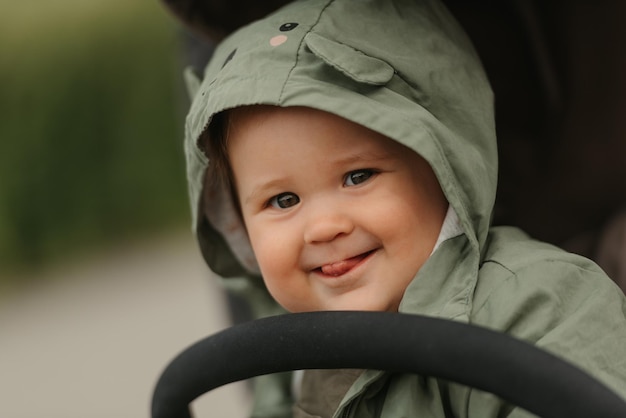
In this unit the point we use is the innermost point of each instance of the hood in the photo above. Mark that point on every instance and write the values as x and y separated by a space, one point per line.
403 68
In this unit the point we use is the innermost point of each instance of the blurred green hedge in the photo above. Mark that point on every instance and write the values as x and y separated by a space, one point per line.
90 126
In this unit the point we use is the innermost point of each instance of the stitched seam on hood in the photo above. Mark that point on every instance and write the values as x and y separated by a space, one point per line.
299 50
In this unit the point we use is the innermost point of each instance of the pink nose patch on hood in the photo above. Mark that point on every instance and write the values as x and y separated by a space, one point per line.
344 266
278 40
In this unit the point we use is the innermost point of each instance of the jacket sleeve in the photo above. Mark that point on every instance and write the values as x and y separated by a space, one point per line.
563 304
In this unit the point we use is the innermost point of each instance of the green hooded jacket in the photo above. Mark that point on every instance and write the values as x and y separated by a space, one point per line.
406 69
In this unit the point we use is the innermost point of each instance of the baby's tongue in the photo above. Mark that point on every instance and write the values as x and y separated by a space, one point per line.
341 267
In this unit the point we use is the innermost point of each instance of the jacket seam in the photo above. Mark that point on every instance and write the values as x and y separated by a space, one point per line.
515 274
299 50
504 281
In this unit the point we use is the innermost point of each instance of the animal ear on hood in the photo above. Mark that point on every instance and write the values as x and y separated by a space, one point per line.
351 62
192 81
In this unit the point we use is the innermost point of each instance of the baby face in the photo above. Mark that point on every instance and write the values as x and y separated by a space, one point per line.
339 216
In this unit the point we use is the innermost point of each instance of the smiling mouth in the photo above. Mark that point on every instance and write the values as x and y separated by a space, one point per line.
342 267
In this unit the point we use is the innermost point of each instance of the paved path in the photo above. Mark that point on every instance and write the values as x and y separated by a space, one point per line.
91 339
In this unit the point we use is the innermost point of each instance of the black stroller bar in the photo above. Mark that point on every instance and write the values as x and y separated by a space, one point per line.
512 369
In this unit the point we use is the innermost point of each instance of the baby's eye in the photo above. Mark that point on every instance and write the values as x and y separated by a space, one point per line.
284 200
357 177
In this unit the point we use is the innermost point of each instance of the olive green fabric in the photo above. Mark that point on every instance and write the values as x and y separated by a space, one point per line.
405 68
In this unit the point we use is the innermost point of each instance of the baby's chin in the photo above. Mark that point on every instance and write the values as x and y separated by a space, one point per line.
359 305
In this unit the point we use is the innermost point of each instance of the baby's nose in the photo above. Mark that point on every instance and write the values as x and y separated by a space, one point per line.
327 226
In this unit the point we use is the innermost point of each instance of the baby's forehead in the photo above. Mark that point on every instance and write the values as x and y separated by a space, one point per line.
265 120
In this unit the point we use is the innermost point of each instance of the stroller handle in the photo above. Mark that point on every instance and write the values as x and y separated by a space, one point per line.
514 370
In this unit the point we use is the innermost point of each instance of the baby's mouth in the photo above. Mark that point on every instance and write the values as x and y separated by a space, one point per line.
343 266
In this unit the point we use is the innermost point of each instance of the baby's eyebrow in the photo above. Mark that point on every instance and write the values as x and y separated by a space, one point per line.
363 157
260 189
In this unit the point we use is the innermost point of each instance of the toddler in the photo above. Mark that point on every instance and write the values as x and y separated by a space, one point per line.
342 156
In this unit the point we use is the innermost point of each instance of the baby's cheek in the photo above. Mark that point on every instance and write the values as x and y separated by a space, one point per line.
279 263
390 214
272 255
261 252
271 271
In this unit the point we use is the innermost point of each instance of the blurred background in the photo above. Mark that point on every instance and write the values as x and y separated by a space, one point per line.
101 283
91 134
